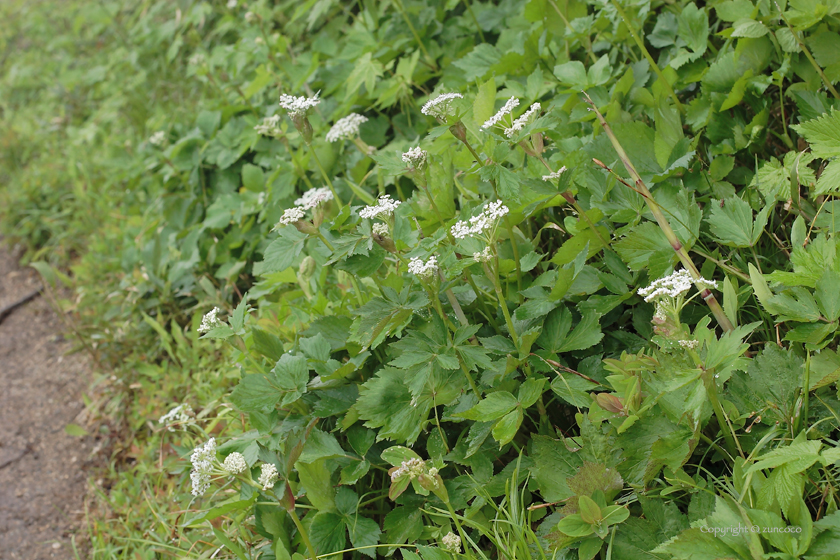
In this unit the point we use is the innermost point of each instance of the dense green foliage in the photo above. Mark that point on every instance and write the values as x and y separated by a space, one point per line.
409 378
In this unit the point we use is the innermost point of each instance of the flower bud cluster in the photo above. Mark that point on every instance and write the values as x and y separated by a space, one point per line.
158 138
423 270
554 174
511 104
235 463
346 128
180 415
673 285
412 468
440 107
268 476
415 158
384 207
298 106
210 321
523 120
270 126
452 542
202 459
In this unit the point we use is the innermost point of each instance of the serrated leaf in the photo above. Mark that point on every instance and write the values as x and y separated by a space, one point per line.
493 406
823 134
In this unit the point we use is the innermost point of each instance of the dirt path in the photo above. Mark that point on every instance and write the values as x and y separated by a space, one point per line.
42 476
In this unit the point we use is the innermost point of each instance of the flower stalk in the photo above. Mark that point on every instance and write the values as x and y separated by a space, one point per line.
656 210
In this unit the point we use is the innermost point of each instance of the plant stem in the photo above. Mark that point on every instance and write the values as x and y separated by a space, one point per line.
325 176
728 268
429 59
649 58
656 210
475 19
303 534
460 529
494 277
732 444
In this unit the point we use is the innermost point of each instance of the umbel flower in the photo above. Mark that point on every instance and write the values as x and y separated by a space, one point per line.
415 158
235 463
268 476
441 106
202 460
298 105
554 174
483 221
158 138
314 197
511 104
210 321
673 285
270 126
180 415
310 200
452 542
346 128
423 270
523 120
385 207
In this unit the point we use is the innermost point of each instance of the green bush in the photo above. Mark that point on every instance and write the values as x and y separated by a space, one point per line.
581 305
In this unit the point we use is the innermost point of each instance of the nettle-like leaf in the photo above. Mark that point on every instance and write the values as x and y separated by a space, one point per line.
505 411
285 384
823 134
731 222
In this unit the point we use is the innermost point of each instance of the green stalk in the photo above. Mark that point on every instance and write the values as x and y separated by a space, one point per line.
325 176
303 534
429 59
802 413
464 541
656 210
475 19
649 58
494 277
725 427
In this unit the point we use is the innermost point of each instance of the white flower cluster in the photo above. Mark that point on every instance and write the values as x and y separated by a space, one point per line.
380 229
385 206
268 476
270 126
481 222
415 157
554 174
314 197
673 285
511 104
452 542
296 106
197 59
292 215
413 468
424 270
483 256
231 4
689 344
181 414
202 460
210 321
346 128
235 463
250 17
520 123
439 106
158 138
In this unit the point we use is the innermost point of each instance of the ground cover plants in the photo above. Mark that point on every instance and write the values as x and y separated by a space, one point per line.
486 279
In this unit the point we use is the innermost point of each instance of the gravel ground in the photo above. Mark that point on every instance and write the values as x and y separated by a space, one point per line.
43 470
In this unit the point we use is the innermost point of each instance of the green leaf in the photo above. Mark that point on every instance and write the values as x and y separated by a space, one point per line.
554 463
731 222
493 406
828 294
485 101
478 61
749 28
530 391
823 134
233 547
366 71
320 445
574 526
647 247
829 181
589 510
694 28
253 178
328 532
505 429
572 74
285 384
282 252
75 430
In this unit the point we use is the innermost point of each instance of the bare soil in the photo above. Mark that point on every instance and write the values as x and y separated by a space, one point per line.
43 470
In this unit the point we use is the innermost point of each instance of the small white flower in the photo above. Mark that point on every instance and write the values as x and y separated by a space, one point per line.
412 468
661 313
484 256
250 17
477 224
439 107
423 270
235 463
297 106
259 41
202 460
689 344
314 197
210 321
231 4
158 138
433 472
452 542
511 104
346 128
179 415
385 207
554 174
270 126
673 285
415 157
292 215
520 123
197 59
380 229
268 476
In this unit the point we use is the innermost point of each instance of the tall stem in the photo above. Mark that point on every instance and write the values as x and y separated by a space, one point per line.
649 58
325 176
494 277
303 534
429 59
656 210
